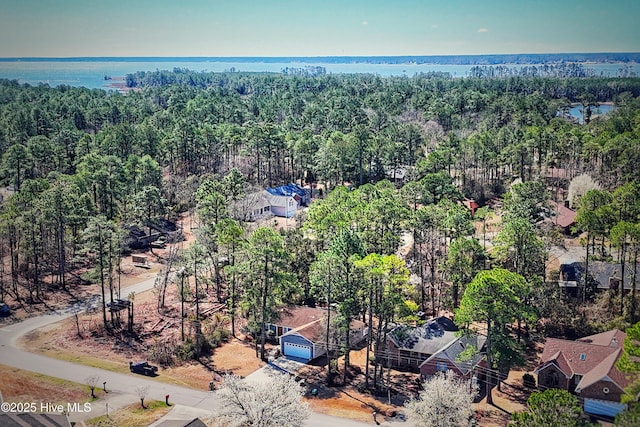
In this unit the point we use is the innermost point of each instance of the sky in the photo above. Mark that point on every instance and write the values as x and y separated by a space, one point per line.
77 28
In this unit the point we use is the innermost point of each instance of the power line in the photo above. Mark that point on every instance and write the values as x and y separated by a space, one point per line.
488 372
387 354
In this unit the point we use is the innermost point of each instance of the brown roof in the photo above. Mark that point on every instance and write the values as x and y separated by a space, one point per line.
313 329
606 368
561 362
558 173
612 338
564 217
295 316
471 204
592 357
572 351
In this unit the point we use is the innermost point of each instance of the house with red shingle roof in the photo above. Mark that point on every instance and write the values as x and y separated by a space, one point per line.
561 216
586 367
301 332
293 317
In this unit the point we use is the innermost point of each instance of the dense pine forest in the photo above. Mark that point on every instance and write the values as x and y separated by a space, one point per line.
389 161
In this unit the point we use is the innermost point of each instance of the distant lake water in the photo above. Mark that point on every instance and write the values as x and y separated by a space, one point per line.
91 73
576 111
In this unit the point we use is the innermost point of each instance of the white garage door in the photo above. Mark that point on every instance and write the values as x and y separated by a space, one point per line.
297 350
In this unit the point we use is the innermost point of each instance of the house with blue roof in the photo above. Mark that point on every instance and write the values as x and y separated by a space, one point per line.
302 195
287 199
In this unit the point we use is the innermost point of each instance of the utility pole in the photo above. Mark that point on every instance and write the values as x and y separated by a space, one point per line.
388 378
181 273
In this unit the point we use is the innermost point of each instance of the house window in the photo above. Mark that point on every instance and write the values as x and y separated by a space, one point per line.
285 329
267 208
552 379
577 379
583 356
605 390
441 367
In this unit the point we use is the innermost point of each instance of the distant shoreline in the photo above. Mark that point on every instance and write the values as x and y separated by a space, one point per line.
577 104
95 74
480 60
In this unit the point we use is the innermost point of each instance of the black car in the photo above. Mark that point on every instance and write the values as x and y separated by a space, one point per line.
143 368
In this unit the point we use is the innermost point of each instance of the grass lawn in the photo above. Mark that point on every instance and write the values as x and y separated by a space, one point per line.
60 342
24 386
132 415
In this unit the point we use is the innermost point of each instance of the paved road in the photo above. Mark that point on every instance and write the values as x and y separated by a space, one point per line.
117 383
121 387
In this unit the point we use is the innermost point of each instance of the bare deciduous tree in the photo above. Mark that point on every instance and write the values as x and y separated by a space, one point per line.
579 186
243 209
142 392
444 401
277 403
166 276
92 382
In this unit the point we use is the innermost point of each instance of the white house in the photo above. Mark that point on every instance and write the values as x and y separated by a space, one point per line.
251 207
283 206
262 203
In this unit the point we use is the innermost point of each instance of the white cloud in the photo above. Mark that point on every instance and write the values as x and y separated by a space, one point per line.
483 30
365 23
